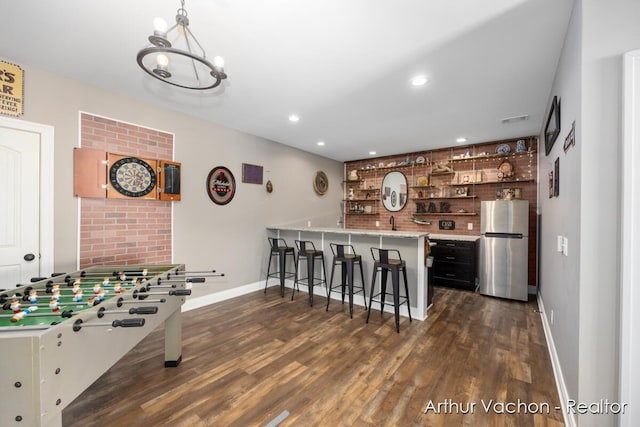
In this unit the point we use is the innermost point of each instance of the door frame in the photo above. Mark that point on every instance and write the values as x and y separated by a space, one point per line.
46 133
630 240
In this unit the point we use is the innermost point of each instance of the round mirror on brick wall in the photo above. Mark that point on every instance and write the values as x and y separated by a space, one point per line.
394 191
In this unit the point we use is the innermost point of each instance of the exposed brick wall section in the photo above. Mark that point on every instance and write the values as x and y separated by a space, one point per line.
124 232
525 167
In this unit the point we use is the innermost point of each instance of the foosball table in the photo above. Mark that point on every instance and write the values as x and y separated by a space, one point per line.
60 334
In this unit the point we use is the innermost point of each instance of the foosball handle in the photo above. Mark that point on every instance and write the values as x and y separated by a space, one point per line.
37 279
180 292
128 323
143 310
196 280
67 313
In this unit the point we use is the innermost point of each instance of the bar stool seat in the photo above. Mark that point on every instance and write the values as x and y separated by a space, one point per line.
279 248
307 251
385 264
347 262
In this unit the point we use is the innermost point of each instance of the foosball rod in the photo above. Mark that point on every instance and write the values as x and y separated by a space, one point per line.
187 280
7 306
121 301
174 292
66 313
133 310
211 273
124 323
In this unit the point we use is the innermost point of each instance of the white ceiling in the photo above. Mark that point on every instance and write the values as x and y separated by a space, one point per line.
342 65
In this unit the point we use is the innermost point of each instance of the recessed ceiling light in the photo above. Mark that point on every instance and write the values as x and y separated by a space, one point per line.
320 143
419 81
461 140
294 118
372 153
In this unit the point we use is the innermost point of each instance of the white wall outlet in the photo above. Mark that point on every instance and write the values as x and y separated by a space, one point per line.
559 244
565 246
551 320
308 223
470 226
377 223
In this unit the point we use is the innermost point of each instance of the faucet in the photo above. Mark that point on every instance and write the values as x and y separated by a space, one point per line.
392 221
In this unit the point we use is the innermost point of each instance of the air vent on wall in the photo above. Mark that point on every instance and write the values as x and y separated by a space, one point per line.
515 119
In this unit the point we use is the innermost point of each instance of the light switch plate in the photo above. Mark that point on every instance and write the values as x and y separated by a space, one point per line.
565 246
560 243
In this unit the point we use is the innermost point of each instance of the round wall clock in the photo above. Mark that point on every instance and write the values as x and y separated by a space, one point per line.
221 185
132 177
320 183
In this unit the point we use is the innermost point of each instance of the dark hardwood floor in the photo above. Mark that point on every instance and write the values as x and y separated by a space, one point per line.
249 359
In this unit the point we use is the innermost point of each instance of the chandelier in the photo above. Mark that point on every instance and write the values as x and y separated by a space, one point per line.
176 57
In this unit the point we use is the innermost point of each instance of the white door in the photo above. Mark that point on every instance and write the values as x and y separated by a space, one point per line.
20 206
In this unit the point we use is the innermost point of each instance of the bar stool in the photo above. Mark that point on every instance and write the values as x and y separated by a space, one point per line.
347 262
279 248
383 263
308 251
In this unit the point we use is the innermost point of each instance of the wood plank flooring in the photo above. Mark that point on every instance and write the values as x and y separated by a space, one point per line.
248 359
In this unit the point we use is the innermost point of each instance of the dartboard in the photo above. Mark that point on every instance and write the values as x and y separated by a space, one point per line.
132 177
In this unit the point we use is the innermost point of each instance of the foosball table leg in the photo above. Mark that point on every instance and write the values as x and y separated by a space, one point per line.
173 339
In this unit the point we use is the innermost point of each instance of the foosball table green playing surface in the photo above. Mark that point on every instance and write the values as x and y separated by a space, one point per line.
59 334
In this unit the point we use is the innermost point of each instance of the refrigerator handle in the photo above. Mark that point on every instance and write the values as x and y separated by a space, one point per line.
505 235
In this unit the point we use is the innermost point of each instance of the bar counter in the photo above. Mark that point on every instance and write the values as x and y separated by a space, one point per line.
410 245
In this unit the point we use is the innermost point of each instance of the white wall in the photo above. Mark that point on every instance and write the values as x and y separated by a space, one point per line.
231 238
559 275
589 196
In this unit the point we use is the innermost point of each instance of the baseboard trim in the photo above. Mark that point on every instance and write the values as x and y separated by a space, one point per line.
199 302
569 419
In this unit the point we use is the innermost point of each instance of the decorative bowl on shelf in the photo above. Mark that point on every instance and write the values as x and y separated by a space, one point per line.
420 160
503 149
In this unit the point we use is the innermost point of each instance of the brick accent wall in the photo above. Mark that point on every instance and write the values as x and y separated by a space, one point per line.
371 175
114 231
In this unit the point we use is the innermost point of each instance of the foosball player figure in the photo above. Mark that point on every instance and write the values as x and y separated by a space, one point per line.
105 282
101 295
33 296
15 305
93 301
123 277
117 288
54 305
144 272
55 291
19 315
96 289
77 295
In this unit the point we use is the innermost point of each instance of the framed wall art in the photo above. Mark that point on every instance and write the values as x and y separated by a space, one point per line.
221 185
556 178
552 128
252 174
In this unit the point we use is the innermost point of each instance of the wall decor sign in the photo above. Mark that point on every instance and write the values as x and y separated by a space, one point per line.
221 185
570 140
552 128
11 89
252 174
556 178
446 224
320 183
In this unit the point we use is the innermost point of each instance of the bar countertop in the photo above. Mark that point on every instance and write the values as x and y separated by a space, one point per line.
384 233
353 231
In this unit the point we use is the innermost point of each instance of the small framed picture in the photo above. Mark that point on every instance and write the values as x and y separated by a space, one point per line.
462 191
550 184
556 178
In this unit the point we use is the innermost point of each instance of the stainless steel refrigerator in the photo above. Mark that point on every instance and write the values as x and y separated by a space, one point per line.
504 248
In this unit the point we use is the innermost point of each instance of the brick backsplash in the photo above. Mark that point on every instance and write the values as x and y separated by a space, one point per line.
114 231
371 176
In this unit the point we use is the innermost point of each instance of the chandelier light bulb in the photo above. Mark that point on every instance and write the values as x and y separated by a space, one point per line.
160 25
218 62
162 60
